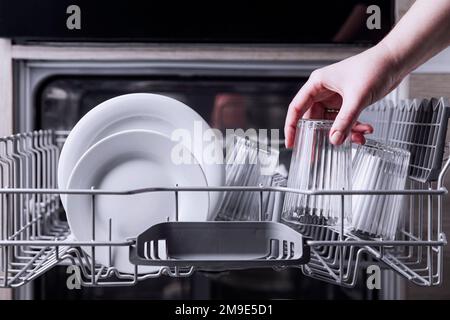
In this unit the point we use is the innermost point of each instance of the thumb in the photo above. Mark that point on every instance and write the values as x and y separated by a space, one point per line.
347 116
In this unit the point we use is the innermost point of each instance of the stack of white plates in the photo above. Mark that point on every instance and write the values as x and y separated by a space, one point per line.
125 143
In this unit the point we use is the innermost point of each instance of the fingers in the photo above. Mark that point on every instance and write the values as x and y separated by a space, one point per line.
344 121
311 102
358 138
360 128
363 128
358 132
299 105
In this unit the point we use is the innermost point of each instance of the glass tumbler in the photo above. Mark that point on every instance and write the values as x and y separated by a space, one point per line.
275 199
249 164
377 166
316 164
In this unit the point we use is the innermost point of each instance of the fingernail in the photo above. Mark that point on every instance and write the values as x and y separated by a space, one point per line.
336 138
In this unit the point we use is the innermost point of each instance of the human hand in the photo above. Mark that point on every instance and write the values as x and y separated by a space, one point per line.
344 88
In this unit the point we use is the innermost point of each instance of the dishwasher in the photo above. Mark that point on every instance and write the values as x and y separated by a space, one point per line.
36 238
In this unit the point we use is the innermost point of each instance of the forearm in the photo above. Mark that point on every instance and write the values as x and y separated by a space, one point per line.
419 35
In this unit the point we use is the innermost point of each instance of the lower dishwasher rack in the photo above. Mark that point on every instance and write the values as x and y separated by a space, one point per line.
36 237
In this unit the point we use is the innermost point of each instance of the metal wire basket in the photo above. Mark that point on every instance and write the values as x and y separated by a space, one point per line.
36 237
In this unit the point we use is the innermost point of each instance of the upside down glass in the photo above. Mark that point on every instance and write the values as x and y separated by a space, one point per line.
249 164
377 166
317 164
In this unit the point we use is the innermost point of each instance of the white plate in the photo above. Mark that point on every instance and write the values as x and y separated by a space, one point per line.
137 111
131 160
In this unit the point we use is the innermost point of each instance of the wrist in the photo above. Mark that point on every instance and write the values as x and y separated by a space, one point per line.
389 59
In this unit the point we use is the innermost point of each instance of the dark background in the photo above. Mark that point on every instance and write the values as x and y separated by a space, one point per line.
220 21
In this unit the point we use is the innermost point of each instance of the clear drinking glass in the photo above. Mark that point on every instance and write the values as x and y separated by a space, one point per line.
275 199
248 164
317 164
377 166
